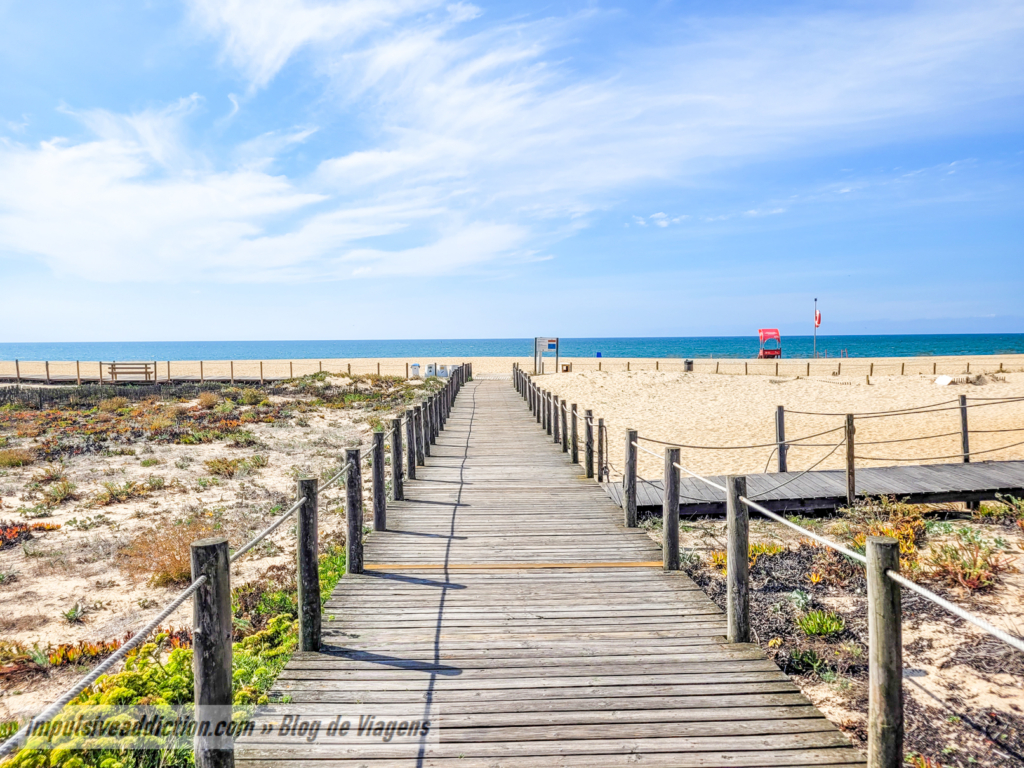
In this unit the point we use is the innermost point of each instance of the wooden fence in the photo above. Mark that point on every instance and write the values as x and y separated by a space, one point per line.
211 570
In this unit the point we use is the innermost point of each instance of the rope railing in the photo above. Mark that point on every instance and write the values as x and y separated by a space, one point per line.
209 554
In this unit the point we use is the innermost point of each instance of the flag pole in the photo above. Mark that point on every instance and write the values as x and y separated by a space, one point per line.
815 328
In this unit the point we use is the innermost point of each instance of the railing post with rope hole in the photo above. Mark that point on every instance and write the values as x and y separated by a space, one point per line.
211 647
965 443
588 442
851 477
410 442
556 410
670 512
563 411
574 437
354 513
397 492
380 505
308 567
601 474
419 436
629 480
737 556
428 430
548 411
780 436
885 655
538 411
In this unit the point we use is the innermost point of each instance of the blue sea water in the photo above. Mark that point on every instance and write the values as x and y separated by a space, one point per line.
695 347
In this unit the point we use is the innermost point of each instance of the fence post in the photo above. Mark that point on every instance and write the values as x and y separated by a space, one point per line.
419 436
201 379
601 476
851 488
564 411
556 408
78 372
885 656
738 570
47 363
780 437
261 373
354 513
670 512
309 568
211 647
629 480
588 442
410 442
540 405
397 492
965 444
574 437
17 370
380 505
232 372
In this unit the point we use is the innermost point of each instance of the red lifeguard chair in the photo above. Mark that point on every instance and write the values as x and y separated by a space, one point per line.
768 335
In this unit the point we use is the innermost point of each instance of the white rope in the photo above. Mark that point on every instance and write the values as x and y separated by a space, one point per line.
956 610
268 530
47 714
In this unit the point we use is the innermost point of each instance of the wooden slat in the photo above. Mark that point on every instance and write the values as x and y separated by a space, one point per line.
508 594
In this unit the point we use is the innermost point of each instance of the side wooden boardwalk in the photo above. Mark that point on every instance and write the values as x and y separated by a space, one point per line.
507 594
826 489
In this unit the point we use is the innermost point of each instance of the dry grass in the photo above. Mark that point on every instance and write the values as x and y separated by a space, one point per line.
59 492
163 555
208 399
117 494
113 404
231 467
16 457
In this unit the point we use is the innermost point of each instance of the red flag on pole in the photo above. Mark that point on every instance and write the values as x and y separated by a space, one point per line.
817 319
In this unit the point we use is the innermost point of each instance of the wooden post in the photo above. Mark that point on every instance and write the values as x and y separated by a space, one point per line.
744 368
717 363
935 368
78 372
601 476
47 364
556 410
599 365
780 436
839 368
309 567
548 411
420 437
903 368
380 507
563 411
851 489
538 405
378 367
657 365
397 492
968 367
410 443
17 370
200 371
885 655
168 371
670 512
101 373
350 369
155 377
965 444
627 365
574 437
291 370
232 373
808 369
588 442
738 569
629 480
776 367
321 363
871 370
354 512
211 647
407 371
261 372
428 428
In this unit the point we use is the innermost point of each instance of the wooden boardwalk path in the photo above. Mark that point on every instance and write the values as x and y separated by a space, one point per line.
507 593
826 489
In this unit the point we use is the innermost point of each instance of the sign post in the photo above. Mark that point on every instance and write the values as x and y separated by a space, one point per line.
542 344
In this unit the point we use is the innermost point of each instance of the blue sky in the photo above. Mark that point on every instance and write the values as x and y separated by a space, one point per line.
275 169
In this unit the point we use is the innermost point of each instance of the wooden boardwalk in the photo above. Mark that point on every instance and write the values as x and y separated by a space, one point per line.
826 489
507 594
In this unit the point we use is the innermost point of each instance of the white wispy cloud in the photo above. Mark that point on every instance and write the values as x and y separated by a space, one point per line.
482 137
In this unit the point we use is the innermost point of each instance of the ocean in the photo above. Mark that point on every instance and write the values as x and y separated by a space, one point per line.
665 347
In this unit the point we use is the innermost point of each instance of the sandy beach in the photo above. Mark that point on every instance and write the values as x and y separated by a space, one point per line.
395 366
701 409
